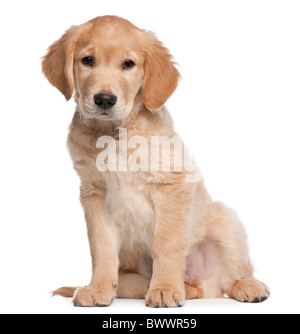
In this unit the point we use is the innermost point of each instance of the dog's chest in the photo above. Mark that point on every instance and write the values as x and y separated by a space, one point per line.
129 209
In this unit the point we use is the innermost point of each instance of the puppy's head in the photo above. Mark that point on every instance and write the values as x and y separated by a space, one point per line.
112 66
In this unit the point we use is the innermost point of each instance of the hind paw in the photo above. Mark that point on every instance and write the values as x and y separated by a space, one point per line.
249 290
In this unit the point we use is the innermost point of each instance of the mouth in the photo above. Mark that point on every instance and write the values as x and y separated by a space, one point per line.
91 112
100 115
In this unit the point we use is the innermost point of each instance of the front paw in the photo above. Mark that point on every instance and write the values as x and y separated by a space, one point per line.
165 296
91 296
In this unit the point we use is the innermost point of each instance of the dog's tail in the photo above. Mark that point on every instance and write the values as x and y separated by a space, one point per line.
65 291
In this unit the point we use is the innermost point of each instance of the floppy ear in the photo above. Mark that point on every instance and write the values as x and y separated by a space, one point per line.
161 76
58 63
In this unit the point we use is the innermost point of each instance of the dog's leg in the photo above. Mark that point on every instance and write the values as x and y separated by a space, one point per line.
103 245
170 245
193 292
133 286
234 266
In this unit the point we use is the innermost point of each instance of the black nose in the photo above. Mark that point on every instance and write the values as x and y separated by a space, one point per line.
105 100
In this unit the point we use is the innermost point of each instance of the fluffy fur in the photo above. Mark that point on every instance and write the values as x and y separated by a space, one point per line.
152 235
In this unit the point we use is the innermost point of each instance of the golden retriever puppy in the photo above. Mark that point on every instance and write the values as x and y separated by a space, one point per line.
153 230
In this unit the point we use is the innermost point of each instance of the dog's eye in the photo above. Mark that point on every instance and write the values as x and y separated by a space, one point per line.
128 64
87 61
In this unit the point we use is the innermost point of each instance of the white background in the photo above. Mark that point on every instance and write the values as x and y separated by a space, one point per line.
237 108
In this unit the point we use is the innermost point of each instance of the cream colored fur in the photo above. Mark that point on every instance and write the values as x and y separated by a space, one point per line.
152 235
